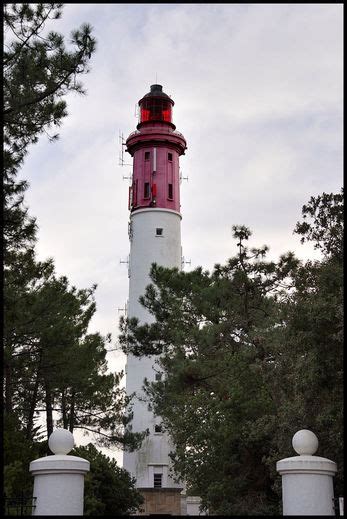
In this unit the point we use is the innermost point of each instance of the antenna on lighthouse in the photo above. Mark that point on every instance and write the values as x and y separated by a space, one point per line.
182 178
125 309
185 262
125 261
122 143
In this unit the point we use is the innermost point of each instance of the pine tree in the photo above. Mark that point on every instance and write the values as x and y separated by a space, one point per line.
249 354
51 364
109 490
308 348
38 73
211 330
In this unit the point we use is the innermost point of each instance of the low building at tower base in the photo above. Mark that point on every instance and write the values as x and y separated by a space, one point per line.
169 501
164 501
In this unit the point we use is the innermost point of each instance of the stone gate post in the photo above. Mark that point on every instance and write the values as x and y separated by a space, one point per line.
59 479
307 480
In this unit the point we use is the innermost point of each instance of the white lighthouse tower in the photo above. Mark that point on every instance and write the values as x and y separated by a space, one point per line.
155 237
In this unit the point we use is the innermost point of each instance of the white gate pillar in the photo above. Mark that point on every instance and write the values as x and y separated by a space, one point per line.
307 480
59 479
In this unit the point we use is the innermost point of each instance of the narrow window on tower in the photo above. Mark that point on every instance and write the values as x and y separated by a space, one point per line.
147 155
159 231
170 195
158 480
169 156
146 190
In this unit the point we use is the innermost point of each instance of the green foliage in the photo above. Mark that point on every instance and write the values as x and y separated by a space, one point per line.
51 363
313 339
18 453
38 72
250 353
109 489
326 229
211 329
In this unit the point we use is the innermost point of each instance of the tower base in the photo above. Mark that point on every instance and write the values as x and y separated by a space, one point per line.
163 501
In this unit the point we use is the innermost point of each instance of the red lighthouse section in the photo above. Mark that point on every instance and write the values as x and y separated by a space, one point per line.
156 147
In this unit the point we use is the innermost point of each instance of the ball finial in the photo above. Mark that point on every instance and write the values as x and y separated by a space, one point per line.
305 442
61 441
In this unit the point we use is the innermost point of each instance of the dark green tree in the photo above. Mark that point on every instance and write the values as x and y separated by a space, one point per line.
249 354
58 367
109 489
308 371
51 364
210 331
323 224
38 72
18 453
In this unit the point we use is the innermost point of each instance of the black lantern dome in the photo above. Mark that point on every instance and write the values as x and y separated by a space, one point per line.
156 106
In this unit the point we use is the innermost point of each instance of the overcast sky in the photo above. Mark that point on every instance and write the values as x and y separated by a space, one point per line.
258 97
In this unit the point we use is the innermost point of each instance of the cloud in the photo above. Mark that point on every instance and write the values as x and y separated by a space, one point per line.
258 96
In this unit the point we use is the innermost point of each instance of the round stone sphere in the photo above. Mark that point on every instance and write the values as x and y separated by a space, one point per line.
61 441
305 442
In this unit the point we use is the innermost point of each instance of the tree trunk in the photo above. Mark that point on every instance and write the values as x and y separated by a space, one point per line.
33 401
8 389
72 412
49 410
64 409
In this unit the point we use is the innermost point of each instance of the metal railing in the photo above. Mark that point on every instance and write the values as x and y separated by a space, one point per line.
174 132
22 505
338 506
136 132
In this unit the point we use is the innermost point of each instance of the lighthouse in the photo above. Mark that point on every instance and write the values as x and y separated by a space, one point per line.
155 237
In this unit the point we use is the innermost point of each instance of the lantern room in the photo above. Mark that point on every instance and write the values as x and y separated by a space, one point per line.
156 106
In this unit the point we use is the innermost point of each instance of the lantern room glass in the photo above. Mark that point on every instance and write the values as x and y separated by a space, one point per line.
155 109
